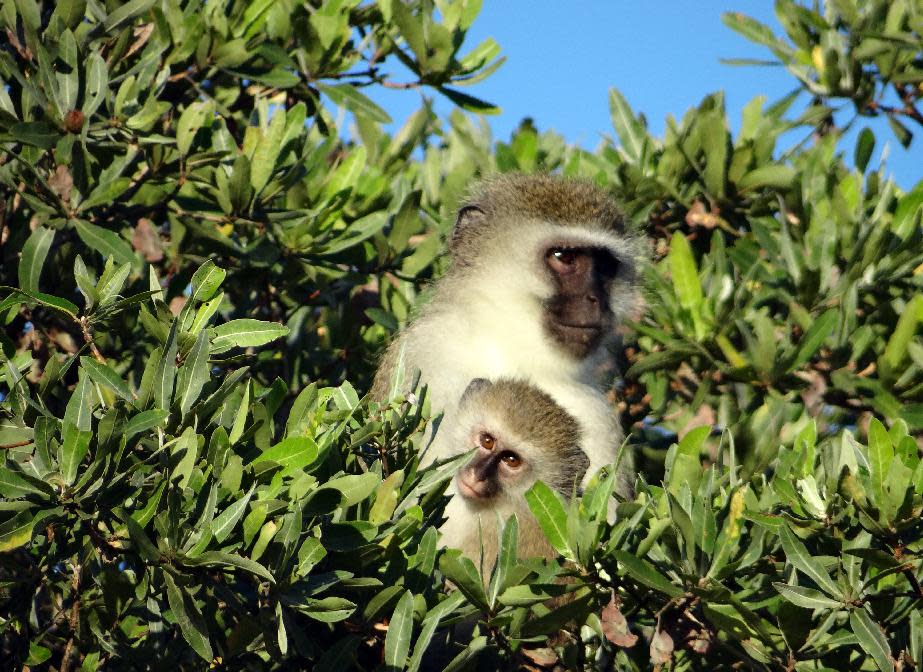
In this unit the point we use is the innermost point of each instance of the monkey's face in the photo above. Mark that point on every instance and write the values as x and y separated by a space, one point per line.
578 314
497 469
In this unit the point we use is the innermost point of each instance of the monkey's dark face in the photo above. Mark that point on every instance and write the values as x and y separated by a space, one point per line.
495 469
578 315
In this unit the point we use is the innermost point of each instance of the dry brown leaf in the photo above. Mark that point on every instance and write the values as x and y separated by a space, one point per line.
615 627
176 305
62 183
142 35
543 656
661 648
146 240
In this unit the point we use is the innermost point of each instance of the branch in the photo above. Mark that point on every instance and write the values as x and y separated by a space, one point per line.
74 619
88 338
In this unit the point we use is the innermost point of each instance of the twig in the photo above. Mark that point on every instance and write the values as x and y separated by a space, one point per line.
88 337
74 619
914 583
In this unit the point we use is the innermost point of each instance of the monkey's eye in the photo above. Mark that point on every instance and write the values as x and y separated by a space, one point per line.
563 256
512 460
487 441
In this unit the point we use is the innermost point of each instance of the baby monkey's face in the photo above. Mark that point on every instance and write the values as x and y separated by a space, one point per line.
498 468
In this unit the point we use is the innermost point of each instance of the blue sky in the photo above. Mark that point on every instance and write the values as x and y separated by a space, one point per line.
562 59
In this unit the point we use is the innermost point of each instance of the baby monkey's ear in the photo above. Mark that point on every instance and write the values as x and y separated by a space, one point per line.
475 386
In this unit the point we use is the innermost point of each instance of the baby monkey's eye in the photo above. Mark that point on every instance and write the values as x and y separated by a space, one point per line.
487 441
512 460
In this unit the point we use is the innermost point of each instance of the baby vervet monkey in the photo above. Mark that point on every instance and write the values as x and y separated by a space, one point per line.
520 436
542 272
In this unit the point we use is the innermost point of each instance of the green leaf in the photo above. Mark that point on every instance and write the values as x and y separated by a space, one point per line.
386 498
903 134
165 374
469 102
360 230
190 620
881 452
144 421
714 137
906 221
460 570
686 282
430 624
16 532
55 302
103 374
814 337
206 281
629 129
34 252
13 485
79 409
193 374
107 243
896 349
222 559
865 145
190 121
310 553
105 193
871 639
806 597
506 558
400 628
687 463
355 101
643 571
35 133
266 153
187 447
798 556
97 83
339 656
244 333
143 516
227 520
326 610
110 288
143 544
773 176
530 594
354 487
548 508
294 454
752 29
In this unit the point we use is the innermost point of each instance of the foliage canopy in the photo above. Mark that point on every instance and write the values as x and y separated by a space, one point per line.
200 261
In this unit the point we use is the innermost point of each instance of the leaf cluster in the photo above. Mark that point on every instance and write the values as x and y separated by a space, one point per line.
206 237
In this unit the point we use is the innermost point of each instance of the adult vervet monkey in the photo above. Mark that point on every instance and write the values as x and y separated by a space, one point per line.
542 272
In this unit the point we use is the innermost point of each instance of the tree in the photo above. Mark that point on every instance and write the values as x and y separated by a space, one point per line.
199 264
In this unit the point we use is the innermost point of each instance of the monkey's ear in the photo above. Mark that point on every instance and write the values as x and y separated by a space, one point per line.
470 216
475 386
